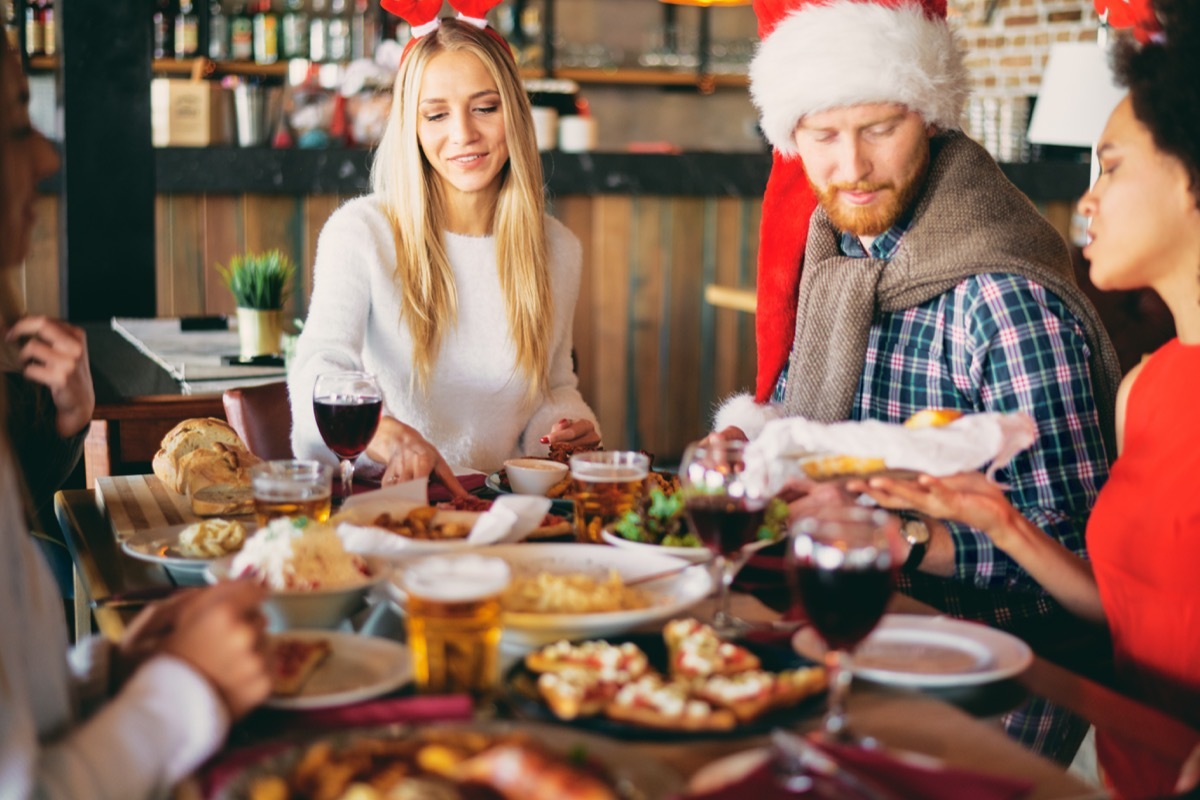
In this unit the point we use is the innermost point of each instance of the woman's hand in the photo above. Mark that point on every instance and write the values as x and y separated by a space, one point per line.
54 354
580 433
409 456
968 497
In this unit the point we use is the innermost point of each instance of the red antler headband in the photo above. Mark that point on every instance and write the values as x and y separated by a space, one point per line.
422 16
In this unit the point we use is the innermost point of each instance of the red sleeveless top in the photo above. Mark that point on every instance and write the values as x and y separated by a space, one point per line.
1144 542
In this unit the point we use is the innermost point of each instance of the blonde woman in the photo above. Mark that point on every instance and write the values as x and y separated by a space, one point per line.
449 282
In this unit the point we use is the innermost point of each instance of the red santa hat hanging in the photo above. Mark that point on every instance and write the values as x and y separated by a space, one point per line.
422 16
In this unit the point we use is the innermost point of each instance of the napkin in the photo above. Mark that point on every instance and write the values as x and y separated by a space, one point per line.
965 445
895 778
259 731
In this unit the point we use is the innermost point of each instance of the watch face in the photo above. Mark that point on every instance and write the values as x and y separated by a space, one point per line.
916 532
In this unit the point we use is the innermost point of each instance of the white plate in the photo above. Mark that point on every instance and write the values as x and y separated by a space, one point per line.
923 651
358 668
694 554
669 597
160 546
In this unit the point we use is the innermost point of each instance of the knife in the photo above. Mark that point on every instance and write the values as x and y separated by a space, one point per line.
797 752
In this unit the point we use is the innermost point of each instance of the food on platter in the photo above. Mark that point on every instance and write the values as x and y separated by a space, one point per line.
661 522
616 681
436 764
211 538
418 524
664 482
696 651
551 525
562 451
293 661
299 555
204 459
572 593
836 466
933 418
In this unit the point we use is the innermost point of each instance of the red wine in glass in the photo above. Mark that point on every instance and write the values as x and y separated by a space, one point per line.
724 524
347 423
844 605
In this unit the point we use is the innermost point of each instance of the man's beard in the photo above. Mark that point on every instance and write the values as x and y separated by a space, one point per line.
878 216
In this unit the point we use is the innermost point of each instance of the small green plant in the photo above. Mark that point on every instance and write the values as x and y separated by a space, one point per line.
259 280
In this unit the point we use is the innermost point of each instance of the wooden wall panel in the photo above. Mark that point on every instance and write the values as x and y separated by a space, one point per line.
576 214
690 245
273 221
648 293
727 352
317 210
609 289
222 241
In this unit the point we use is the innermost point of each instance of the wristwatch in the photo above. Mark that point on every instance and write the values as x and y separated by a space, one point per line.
916 533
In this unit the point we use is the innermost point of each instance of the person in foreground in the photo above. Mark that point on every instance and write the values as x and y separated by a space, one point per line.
449 282
102 721
928 280
1143 538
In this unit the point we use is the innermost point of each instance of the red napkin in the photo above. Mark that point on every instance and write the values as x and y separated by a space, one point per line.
438 493
897 779
262 728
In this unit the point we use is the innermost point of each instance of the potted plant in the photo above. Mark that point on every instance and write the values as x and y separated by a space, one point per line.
259 282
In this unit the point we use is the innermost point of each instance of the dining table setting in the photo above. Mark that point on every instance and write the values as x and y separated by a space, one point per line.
594 643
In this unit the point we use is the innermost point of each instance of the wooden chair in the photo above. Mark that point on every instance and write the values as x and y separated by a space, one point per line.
262 416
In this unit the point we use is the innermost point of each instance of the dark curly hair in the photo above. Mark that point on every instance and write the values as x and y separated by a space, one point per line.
1163 78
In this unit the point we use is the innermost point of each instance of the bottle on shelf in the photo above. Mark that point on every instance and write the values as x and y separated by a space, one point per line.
362 32
45 15
164 30
266 34
295 31
339 31
241 34
218 32
318 33
11 29
187 31
530 55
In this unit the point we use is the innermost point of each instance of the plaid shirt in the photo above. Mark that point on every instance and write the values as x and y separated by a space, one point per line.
995 342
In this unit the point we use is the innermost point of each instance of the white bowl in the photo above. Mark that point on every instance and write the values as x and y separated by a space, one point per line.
318 608
696 555
670 597
533 475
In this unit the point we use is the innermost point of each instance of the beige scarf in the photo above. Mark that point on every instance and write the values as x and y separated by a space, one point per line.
969 220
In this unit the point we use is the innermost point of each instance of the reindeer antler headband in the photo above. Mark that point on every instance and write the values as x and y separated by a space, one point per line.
422 16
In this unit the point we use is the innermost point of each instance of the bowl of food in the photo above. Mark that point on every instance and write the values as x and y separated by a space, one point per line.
533 475
312 581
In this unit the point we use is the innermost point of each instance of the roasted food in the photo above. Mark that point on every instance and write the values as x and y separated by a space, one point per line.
292 662
419 524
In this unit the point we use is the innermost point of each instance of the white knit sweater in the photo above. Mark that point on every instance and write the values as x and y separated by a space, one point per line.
474 410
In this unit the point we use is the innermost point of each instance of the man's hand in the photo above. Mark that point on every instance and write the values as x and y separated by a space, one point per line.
221 633
580 433
408 456
54 354
731 434
145 636
1189 776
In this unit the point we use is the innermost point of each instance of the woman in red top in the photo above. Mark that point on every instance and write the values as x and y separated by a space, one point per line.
1144 533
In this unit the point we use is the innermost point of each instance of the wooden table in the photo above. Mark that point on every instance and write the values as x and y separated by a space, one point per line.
910 720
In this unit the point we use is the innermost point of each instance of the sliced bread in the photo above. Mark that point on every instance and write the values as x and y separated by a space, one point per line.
218 464
189 435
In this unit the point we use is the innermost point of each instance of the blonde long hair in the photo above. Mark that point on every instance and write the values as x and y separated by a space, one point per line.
416 209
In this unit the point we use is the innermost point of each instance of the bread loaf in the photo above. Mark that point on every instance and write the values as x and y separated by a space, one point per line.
218 464
189 435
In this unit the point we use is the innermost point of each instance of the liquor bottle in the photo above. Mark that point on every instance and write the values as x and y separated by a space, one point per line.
266 34
318 33
531 27
11 24
241 35
49 29
339 31
164 30
187 31
218 32
364 31
295 30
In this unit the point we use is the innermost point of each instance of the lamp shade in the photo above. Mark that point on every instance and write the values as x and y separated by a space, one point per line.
1077 96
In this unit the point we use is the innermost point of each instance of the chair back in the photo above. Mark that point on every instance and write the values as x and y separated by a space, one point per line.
262 417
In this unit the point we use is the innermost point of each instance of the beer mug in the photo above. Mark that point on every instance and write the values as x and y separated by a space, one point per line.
453 621
607 484
291 488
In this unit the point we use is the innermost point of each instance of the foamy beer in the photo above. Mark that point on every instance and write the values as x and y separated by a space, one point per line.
454 621
291 488
607 484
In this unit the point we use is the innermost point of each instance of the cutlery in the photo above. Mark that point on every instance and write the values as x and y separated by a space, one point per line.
799 755
134 598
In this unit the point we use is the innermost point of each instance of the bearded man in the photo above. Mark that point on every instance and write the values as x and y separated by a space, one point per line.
928 281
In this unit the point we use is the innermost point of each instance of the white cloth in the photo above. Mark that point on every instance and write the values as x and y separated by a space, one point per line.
162 724
474 410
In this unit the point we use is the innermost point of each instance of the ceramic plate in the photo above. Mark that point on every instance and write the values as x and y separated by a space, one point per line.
160 546
559 506
923 651
359 668
635 775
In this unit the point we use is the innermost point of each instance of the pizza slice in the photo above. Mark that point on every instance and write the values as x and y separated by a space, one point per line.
577 692
608 660
293 661
695 650
651 702
750 694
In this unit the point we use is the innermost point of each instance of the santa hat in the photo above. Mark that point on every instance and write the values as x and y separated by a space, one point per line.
817 55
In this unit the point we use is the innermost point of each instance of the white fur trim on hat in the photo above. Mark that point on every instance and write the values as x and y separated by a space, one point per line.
743 412
844 53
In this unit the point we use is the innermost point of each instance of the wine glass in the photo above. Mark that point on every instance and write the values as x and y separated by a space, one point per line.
840 564
724 512
348 406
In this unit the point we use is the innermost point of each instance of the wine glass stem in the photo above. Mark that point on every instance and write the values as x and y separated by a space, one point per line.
837 663
347 478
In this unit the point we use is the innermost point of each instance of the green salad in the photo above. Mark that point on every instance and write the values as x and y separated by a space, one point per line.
662 522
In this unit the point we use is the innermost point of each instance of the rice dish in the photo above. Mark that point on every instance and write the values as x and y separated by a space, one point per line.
299 555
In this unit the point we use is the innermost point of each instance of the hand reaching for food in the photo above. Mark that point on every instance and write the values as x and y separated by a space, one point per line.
408 456
968 497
